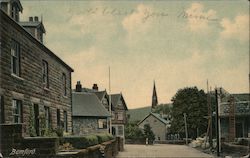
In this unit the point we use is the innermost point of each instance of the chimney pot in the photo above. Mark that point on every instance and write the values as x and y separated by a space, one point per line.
31 18
78 86
36 18
95 87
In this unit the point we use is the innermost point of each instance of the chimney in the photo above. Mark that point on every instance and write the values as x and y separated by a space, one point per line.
31 18
36 18
78 86
95 87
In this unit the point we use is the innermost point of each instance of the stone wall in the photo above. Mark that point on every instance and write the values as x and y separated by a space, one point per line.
29 87
12 144
86 125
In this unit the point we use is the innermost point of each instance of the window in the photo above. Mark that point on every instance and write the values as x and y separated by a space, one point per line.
1 110
15 12
58 116
120 115
120 130
65 121
15 58
64 84
17 111
47 117
45 74
102 123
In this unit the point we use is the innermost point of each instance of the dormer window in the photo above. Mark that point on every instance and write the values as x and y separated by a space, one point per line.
15 11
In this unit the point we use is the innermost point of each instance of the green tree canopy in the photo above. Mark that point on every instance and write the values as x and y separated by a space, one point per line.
193 102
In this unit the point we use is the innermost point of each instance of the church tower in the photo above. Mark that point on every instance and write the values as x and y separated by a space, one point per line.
154 98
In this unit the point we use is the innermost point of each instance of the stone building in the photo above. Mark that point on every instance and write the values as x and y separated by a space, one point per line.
119 116
89 115
234 115
35 84
157 123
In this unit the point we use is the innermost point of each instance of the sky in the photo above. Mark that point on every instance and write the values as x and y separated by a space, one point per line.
176 43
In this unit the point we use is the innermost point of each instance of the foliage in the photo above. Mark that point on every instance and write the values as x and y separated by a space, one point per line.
104 137
42 124
193 102
31 126
148 133
59 131
50 132
163 109
81 142
132 131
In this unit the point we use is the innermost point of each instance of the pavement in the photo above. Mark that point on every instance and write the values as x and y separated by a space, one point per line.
160 151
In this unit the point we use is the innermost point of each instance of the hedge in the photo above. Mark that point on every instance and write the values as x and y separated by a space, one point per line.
81 142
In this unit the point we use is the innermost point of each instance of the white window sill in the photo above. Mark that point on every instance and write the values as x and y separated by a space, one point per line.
64 96
14 75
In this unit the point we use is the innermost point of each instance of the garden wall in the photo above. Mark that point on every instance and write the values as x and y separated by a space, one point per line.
14 145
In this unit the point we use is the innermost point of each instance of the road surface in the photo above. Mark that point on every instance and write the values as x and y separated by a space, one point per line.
160 151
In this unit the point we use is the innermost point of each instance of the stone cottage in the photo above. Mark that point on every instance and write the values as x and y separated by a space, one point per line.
35 84
157 123
89 115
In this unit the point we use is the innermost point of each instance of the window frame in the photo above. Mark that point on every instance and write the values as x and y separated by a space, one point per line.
120 116
17 111
15 11
64 84
58 117
45 73
2 119
15 58
47 117
65 119
102 124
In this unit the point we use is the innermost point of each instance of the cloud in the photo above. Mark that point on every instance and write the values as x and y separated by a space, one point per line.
137 21
236 29
198 18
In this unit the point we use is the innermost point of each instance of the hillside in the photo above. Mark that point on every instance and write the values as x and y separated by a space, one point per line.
140 113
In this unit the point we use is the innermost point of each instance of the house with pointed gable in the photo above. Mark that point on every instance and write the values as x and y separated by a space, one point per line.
88 113
158 125
119 117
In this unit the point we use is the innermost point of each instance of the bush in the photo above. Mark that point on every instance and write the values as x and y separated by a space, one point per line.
80 142
104 137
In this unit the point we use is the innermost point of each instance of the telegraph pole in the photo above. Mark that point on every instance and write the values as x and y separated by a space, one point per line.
217 124
185 121
110 123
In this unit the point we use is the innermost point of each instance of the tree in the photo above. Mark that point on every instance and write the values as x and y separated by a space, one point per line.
132 131
193 102
148 133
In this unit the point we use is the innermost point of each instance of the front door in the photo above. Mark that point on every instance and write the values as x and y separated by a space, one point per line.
36 117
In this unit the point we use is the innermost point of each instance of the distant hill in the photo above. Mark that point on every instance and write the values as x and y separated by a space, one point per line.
140 113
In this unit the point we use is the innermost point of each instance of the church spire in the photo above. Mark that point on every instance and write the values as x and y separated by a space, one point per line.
154 98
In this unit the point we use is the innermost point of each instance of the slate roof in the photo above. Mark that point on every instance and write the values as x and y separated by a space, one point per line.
157 116
115 98
88 105
100 94
32 24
